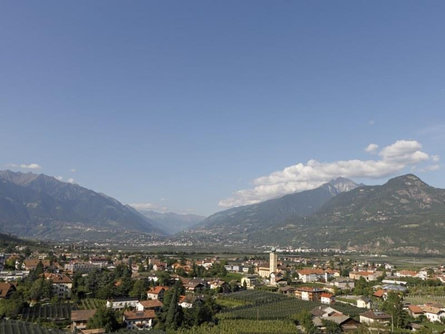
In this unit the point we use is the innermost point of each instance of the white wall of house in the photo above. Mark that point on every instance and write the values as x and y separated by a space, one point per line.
139 324
433 317
326 300
305 295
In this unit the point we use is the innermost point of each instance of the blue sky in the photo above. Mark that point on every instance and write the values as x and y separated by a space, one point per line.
181 104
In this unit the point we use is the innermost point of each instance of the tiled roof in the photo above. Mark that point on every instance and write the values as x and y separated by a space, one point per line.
309 289
407 272
311 272
59 278
5 288
139 315
415 309
147 304
375 315
379 293
363 273
431 309
157 289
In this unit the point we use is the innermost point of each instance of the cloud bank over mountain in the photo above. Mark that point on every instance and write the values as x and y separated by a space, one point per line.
393 159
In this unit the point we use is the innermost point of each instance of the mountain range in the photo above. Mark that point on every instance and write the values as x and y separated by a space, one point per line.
171 222
403 215
274 211
40 206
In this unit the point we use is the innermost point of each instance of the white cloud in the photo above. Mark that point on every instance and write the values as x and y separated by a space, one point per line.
30 166
303 176
70 180
26 166
435 158
371 148
148 206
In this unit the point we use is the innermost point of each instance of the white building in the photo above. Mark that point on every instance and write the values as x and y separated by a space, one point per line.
121 303
250 281
139 319
61 285
433 312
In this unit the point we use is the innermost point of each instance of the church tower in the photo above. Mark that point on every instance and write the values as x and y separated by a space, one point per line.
273 259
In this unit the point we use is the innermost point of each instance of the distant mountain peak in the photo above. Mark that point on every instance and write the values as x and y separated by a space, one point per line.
407 180
341 184
40 205
18 178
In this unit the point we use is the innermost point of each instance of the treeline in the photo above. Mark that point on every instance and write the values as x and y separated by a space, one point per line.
173 316
35 287
104 284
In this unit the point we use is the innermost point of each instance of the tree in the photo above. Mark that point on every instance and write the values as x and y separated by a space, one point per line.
105 291
287 277
40 289
181 272
217 269
163 277
393 305
304 318
121 271
13 306
172 316
123 287
104 318
344 272
10 263
139 289
331 327
36 273
362 287
27 251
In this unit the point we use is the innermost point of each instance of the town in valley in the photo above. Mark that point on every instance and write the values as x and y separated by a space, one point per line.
77 288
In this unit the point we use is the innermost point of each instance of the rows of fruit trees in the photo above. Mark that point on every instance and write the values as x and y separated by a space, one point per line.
48 312
22 327
262 305
252 305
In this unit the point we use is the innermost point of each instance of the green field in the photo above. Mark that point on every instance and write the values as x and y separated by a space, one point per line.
282 309
402 262
245 327
91 303
227 303
422 299
232 277
254 296
263 305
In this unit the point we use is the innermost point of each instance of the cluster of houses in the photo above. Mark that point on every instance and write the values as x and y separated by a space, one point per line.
318 283
329 281
141 314
136 315
327 313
